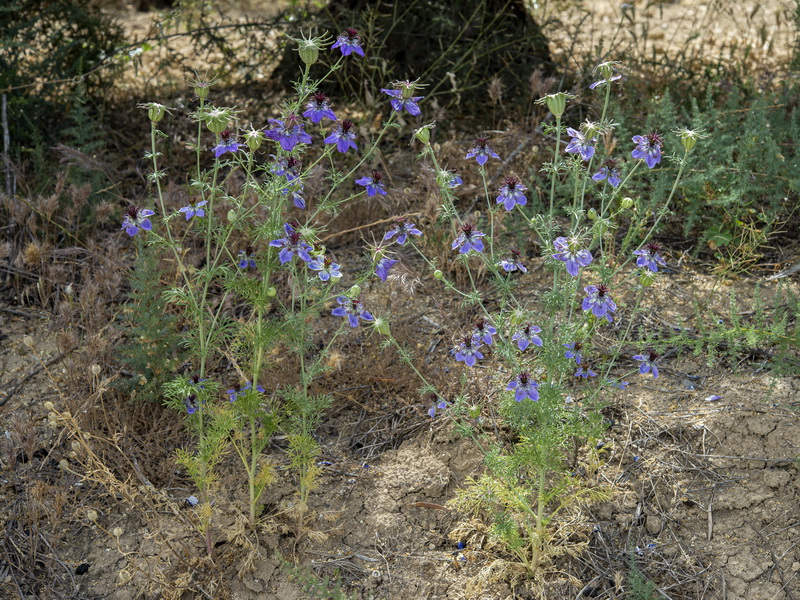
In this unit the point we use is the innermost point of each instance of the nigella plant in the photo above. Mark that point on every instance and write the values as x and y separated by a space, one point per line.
194 208
403 98
469 239
343 136
648 148
511 193
292 243
529 334
400 232
288 132
318 108
580 144
373 183
569 252
349 42
484 332
647 363
227 143
598 302
649 257
468 351
524 387
513 263
326 268
352 309
481 151
137 218
609 171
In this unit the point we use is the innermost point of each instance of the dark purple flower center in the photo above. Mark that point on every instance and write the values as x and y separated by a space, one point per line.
328 261
523 379
653 247
319 98
481 142
467 341
511 182
480 324
654 139
346 125
602 290
248 250
377 176
195 379
527 330
652 355
611 164
352 34
468 228
516 254
225 135
293 163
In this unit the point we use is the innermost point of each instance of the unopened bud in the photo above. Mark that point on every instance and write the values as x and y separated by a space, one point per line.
423 134
437 274
155 112
354 291
381 325
626 203
592 214
253 138
647 278
556 103
271 291
217 120
689 138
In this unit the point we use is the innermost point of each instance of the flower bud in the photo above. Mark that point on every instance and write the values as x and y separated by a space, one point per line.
474 411
592 214
556 103
626 203
381 326
689 138
155 111
423 134
437 274
253 138
271 291
217 120
354 291
308 48
647 278
201 90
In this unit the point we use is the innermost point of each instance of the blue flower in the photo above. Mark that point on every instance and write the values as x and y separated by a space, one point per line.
483 332
599 302
617 384
136 218
514 263
373 183
288 132
602 82
608 171
246 259
194 208
238 391
481 151
649 256
342 136
453 180
511 193
191 404
571 254
525 387
290 245
468 351
574 351
647 363
585 372
382 267
318 108
648 148
580 145
327 268
348 41
288 166
352 309
437 403
402 229
227 143
468 239
402 102
527 336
